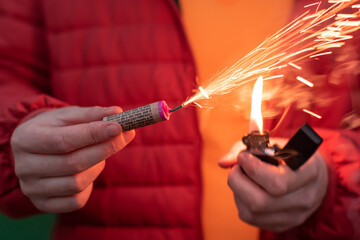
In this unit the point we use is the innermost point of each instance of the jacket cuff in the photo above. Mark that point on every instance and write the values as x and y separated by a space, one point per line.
13 202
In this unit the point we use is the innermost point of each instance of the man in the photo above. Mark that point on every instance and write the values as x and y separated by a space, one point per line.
108 53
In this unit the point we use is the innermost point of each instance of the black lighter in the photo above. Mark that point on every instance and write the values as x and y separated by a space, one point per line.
295 153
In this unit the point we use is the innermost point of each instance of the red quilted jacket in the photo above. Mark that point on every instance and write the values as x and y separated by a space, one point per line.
130 53
125 53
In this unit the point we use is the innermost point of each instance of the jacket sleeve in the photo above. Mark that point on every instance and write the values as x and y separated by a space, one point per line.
339 215
24 90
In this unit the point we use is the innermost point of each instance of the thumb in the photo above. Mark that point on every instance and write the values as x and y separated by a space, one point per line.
65 130
61 140
230 159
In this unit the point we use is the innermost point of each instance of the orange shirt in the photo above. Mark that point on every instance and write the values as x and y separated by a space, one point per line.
221 32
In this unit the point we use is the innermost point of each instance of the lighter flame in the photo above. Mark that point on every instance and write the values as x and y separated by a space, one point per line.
256 120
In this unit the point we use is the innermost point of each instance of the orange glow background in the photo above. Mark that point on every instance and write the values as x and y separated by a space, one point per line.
221 32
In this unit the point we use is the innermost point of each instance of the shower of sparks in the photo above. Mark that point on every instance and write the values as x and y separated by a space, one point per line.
312 114
315 33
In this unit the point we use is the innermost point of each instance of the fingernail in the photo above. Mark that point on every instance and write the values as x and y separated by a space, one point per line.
112 130
113 110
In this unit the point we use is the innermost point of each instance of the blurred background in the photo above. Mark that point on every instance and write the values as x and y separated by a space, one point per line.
38 227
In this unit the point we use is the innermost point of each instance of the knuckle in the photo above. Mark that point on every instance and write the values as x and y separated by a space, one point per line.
257 204
300 220
91 134
251 171
231 180
73 163
41 205
21 170
308 200
58 142
77 203
26 190
313 173
246 216
76 185
279 228
112 148
15 140
293 220
296 221
279 187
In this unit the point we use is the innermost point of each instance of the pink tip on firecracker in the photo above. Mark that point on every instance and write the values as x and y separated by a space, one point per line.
164 110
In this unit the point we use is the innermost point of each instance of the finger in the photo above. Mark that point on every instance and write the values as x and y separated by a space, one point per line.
276 180
78 161
274 221
230 159
76 115
60 140
72 163
256 200
64 204
247 191
61 186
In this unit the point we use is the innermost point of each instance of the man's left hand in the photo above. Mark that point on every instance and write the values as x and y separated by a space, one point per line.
272 197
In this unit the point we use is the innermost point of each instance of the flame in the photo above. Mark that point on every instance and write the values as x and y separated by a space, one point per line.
256 120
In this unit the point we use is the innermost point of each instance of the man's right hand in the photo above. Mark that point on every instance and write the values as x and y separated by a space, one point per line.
59 153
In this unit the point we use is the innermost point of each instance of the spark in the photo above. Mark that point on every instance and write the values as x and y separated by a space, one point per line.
274 77
320 54
338 1
198 105
203 92
348 23
312 113
312 4
332 45
334 28
341 16
294 65
306 82
312 34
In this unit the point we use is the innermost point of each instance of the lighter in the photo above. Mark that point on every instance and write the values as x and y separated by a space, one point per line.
295 153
